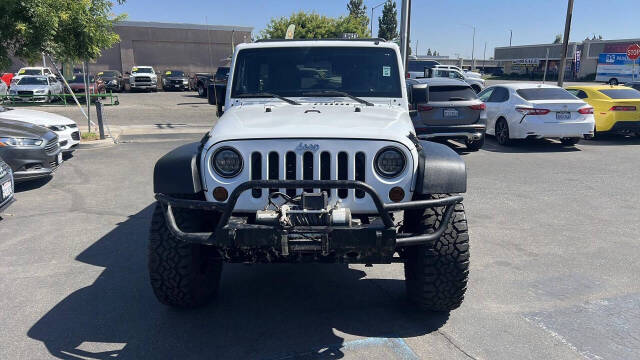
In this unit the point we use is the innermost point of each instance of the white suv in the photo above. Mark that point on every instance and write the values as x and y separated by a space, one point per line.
31 71
477 84
314 160
143 78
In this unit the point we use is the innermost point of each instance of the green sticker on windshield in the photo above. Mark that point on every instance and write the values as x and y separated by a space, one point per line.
134 69
386 71
22 71
100 73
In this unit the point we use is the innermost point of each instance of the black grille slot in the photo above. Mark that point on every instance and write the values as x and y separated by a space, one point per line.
325 169
290 170
256 172
25 92
274 168
343 169
360 170
52 146
75 135
307 168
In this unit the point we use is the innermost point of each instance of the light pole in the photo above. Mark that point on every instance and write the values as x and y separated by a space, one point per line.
373 8
473 46
510 36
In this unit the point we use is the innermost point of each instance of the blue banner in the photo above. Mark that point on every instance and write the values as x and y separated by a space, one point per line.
613 59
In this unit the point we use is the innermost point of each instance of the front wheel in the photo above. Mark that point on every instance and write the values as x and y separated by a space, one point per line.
502 132
436 276
182 274
475 145
569 141
201 91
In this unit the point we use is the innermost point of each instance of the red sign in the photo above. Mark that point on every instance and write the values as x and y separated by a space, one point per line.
633 51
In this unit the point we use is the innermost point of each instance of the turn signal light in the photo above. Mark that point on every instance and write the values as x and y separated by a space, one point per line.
220 193
623 108
586 110
478 107
532 111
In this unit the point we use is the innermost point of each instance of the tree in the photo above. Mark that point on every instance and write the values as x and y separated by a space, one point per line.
314 26
429 53
388 23
558 39
435 53
67 29
357 10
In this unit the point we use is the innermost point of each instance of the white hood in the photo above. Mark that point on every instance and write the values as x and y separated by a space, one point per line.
252 121
36 117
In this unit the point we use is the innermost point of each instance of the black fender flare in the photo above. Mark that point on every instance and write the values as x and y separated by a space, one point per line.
178 172
440 170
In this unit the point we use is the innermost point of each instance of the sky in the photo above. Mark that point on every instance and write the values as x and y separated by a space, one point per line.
445 26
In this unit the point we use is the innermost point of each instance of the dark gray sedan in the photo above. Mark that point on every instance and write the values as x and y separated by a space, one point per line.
444 108
30 150
6 185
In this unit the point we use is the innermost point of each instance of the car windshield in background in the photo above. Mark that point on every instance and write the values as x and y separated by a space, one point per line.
79 79
109 74
141 71
545 94
622 93
30 72
421 65
39 80
174 73
451 93
293 71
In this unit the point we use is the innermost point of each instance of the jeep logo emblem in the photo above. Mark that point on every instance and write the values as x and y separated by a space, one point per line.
307 147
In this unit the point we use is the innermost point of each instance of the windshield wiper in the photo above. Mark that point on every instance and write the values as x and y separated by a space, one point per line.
268 95
337 93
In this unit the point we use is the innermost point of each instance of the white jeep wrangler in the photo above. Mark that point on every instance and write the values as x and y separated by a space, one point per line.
314 160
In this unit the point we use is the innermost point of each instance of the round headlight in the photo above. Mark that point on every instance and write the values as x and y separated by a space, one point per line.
390 162
227 162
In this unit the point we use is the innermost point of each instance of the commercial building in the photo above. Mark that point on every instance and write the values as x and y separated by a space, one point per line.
582 57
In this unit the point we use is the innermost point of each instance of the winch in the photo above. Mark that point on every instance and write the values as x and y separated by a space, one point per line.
306 209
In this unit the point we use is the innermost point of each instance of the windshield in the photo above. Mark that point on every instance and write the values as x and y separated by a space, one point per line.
545 94
108 73
420 65
79 79
141 71
35 80
30 72
293 71
622 93
174 73
451 93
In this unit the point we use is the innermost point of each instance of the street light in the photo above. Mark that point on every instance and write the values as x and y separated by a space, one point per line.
473 46
373 8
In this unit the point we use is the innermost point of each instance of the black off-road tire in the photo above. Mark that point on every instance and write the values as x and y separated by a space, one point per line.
570 141
436 277
182 275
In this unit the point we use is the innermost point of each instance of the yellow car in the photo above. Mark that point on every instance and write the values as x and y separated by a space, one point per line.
615 108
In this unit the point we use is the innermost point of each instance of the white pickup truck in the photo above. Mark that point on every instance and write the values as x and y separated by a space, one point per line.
143 78
315 159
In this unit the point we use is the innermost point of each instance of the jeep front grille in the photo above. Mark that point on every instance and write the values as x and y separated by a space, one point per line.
308 166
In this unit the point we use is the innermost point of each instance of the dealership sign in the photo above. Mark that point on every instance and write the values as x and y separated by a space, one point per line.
633 51
528 61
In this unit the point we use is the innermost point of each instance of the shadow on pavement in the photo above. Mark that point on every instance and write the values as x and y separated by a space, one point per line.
614 140
263 311
32 184
528 146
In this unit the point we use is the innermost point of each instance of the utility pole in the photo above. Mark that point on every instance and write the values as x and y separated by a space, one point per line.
565 43
510 36
405 21
473 50
417 47
484 57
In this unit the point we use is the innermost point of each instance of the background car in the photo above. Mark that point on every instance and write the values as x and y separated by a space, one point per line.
4 89
477 84
36 88
65 128
143 78
32 71
32 151
447 109
174 80
6 185
633 84
113 80
416 68
466 72
528 111
96 85
616 108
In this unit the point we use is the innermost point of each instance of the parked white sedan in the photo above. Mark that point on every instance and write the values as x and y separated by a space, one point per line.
36 88
525 111
65 128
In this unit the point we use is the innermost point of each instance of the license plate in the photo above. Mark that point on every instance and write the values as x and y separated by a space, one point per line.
59 158
450 113
563 115
6 190
177 85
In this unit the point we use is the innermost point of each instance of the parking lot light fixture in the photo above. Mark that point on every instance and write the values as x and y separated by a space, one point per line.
372 9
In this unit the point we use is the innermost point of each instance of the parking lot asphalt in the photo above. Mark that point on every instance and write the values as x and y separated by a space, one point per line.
554 249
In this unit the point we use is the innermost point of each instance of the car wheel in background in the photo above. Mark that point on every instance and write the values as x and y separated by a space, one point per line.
569 141
201 90
613 81
475 145
502 132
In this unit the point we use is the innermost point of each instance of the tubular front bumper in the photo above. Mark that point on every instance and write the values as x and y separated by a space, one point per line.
376 242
